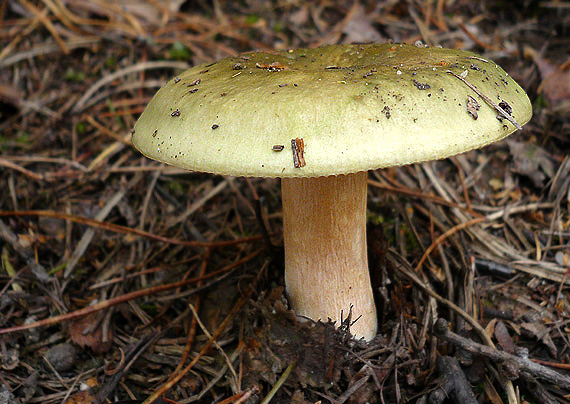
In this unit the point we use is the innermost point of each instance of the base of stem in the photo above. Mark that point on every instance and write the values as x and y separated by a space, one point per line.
326 264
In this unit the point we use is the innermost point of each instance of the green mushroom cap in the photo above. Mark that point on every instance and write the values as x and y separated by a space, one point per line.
333 110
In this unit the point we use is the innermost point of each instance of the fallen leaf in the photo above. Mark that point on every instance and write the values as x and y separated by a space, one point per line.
504 338
556 86
92 339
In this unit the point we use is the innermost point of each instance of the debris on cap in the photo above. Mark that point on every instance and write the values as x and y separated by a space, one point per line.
355 107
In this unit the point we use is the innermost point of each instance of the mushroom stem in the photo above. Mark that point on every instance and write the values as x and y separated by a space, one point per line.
326 264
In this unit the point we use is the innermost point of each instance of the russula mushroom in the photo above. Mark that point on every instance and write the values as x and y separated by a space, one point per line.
319 119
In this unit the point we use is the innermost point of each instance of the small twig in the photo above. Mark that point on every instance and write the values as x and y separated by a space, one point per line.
25 171
199 203
235 310
218 347
414 277
415 194
193 323
159 268
46 49
423 27
250 392
126 140
487 100
56 373
10 238
70 390
475 38
508 386
18 37
353 389
87 237
444 236
47 23
241 396
558 365
123 72
536 390
134 353
509 210
107 153
124 229
146 200
440 21
272 250
121 299
521 363
454 383
216 379
49 160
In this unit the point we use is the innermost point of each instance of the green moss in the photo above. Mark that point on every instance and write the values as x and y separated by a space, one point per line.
22 138
57 269
111 62
80 127
374 219
178 51
540 103
409 238
175 187
252 19
74 75
149 308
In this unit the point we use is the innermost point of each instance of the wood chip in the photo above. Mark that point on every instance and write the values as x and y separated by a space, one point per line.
472 107
298 147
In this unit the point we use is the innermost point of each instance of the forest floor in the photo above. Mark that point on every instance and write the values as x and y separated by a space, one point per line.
115 265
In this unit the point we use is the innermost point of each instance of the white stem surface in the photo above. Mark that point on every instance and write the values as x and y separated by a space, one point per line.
326 264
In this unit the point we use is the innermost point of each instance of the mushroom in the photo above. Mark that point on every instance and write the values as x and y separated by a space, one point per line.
320 119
